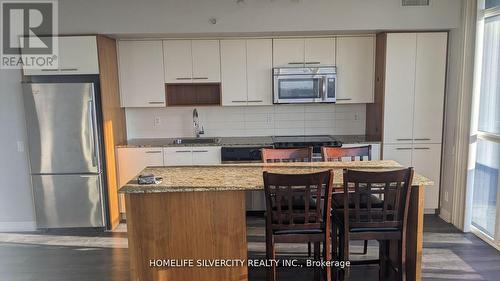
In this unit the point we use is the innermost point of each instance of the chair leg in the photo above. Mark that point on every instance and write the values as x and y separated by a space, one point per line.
270 254
327 256
365 247
317 254
402 263
383 255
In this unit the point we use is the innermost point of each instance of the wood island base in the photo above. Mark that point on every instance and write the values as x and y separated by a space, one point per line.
186 226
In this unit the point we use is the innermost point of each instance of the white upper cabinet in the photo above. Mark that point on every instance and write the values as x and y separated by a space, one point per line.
246 72
259 67
77 55
234 72
206 60
319 51
355 62
191 61
288 52
178 61
414 87
399 87
429 87
303 51
141 74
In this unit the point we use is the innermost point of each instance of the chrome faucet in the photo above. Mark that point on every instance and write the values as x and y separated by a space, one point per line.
196 124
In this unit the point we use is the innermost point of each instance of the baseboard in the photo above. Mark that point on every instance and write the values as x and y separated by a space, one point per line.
17 226
445 215
429 211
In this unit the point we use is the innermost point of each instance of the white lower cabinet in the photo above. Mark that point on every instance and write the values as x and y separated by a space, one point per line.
400 153
132 160
177 156
425 159
196 155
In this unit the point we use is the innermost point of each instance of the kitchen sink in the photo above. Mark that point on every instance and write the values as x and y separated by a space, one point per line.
197 141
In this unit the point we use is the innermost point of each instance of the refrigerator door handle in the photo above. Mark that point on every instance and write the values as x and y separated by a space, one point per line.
92 131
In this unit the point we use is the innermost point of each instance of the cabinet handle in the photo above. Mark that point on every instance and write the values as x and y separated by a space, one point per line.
403 148
200 150
295 62
255 101
182 151
50 69
200 78
238 101
422 148
404 139
343 99
156 102
155 151
313 62
69 69
423 139
183 78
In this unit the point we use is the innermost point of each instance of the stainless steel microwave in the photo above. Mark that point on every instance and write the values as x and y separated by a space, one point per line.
304 84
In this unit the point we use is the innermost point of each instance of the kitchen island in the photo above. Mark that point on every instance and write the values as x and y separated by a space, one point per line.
198 213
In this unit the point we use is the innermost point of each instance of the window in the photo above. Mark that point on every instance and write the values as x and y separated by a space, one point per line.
485 147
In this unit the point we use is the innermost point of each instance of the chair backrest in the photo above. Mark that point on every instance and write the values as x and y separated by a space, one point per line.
338 153
392 188
271 155
298 201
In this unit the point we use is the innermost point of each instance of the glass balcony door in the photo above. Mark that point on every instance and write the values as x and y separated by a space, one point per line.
484 158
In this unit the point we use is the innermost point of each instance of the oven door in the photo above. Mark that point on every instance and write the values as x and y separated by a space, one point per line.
299 88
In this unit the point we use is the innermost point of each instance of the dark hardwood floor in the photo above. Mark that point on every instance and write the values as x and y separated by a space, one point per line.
90 256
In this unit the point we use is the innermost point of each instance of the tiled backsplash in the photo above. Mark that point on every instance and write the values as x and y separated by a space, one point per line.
311 119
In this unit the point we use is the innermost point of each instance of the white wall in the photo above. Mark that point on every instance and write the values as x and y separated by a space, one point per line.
126 18
248 121
16 208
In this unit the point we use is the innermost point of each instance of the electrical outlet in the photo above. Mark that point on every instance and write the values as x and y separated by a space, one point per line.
20 146
157 121
356 116
446 196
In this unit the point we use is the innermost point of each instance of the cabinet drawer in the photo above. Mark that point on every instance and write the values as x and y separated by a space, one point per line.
207 155
177 156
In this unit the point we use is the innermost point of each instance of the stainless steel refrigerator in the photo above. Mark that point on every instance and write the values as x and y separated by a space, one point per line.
64 141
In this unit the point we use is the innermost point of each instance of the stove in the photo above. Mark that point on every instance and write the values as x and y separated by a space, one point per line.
305 141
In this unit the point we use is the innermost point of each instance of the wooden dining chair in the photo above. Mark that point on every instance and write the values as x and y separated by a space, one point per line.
340 153
286 222
279 155
274 155
384 222
352 153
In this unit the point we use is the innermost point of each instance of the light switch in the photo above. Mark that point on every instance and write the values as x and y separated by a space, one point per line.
157 121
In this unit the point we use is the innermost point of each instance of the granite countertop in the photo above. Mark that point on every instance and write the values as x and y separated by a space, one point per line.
235 141
245 177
